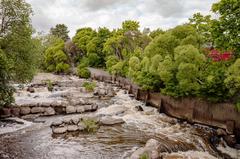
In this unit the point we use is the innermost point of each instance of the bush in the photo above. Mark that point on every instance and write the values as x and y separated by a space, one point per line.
6 91
90 124
55 59
89 86
83 72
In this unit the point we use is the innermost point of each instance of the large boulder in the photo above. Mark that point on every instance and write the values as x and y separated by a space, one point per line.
107 120
70 109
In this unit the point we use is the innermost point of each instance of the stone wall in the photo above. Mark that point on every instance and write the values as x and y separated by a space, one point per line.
194 110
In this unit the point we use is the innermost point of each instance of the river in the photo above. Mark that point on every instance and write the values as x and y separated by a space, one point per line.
33 138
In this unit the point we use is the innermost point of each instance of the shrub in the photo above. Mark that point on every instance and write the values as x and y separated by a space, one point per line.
49 85
90 124
144 156
89 86
238 106
83 72
6 91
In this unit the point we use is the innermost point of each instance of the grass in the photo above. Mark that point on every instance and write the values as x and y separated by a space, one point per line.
89 86
144 156
90 124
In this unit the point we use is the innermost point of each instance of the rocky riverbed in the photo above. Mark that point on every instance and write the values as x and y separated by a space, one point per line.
53 125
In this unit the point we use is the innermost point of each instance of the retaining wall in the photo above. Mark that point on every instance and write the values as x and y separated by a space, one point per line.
194 110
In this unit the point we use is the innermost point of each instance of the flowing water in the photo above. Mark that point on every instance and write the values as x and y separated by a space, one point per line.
34 140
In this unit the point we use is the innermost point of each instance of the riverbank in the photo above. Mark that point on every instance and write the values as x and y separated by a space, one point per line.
193 110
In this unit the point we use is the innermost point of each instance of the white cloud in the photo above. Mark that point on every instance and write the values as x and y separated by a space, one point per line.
110 13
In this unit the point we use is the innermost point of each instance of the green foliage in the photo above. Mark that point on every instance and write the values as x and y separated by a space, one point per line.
49 85
238 106
6 91
145 155
83 72
202 24
89 86
226 29
213 87
91 125
163 45
232 80
55 59
111 61
130 25
156 33
82 39
60 31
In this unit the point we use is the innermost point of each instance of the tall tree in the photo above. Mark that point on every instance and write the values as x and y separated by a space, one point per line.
60 31
226 28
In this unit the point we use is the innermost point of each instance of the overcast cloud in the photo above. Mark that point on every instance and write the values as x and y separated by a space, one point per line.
110 13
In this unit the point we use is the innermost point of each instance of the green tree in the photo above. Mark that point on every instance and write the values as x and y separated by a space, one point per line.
226 27
55 58
202 24
232 80
60 31
6 91
82 39
130 25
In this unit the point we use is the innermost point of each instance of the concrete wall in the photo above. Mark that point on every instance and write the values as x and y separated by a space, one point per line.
194 110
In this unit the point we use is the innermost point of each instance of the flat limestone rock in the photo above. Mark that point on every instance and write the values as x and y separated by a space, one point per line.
72 128
107 120
59 130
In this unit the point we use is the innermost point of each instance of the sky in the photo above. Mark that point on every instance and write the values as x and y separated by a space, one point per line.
111 13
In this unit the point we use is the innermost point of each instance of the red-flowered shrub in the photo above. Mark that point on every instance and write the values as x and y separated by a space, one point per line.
216 55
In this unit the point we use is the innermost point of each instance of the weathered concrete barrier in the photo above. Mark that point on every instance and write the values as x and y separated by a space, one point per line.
194 110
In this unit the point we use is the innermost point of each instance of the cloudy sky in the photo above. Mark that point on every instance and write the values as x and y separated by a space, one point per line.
110 13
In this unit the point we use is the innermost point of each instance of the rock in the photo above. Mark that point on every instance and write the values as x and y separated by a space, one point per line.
139 108
30 89
72 128
49 111
214 140
70 109
152 144
57 123
230 140
80 109
110 92
138 153
150 149
81 126
221 132
102 92
67 120
35 110
75 120
59 130
107 120
230 127
6 112
25 110
92 107
15 111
